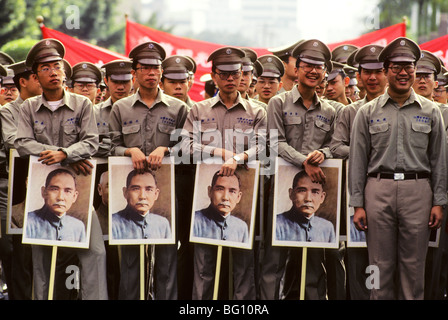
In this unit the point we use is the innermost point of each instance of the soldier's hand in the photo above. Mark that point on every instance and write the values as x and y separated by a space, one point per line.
435 218
155 158
138 159
50 157
314 172
83 166
316 157
360 219
228 168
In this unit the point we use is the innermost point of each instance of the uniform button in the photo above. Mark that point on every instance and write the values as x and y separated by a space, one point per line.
224 238
59 238
146 236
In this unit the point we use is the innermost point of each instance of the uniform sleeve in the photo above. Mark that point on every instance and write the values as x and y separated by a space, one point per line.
277 135
340 142
88 138
9 128
26 143
258 142
358 155
117 143
437 159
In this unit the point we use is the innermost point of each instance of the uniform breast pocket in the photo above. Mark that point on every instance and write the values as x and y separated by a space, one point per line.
322 129
70 134
210 134
132 136
242 134
164 133
420 135
39 131
293 128
380 135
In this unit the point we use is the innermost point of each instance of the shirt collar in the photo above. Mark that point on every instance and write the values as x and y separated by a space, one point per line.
296 96
239 101
64 102
160 98
300 219
53 219
413 98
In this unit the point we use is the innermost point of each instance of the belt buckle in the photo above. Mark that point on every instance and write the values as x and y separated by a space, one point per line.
398 176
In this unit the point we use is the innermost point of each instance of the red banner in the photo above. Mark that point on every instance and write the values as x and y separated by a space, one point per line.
439 47
79 51
380 37
175 45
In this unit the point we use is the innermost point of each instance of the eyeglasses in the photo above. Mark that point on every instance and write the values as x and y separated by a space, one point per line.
310 67
397 68
12 89
423 76
89 86
226 75
439 91
148 69
47 70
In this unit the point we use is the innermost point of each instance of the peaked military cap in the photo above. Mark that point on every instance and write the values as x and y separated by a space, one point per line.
3 71
342 52
19 67
367 57
249 59
193 71
177 67
258 70
272 66
119 70
428 63
6 59
67 69
400 50
149 53
227 58
442 77
351 60
86 72
337 67
9 77
285 51
46 50
314 52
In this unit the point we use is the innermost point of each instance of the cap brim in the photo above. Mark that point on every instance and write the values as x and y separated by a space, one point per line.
176 76
372 65
229 67
402 59
121 77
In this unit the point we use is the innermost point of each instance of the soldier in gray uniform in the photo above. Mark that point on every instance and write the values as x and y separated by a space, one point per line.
226 116
59 127
118 79
85 80
304 126
428 67
397 176
140 128
28 85
269 81
372 77
9 91
176 77
440 93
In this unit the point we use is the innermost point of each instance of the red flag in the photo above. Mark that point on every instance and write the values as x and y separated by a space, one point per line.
175 45
439 47
78 51
380 37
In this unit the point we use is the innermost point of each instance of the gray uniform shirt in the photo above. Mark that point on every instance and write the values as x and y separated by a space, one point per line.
241 128
128 224
389 138
134 124
292 226
70 128
340 142
102 113
45 225
9 116
300 130
210 224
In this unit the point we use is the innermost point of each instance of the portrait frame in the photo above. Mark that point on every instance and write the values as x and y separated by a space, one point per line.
81 209
244 210
17 176
119 168
329 209
102 165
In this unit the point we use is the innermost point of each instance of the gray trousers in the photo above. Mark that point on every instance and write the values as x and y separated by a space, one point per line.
397 236
92 267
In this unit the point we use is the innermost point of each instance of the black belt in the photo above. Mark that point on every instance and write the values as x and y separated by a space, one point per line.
400 175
